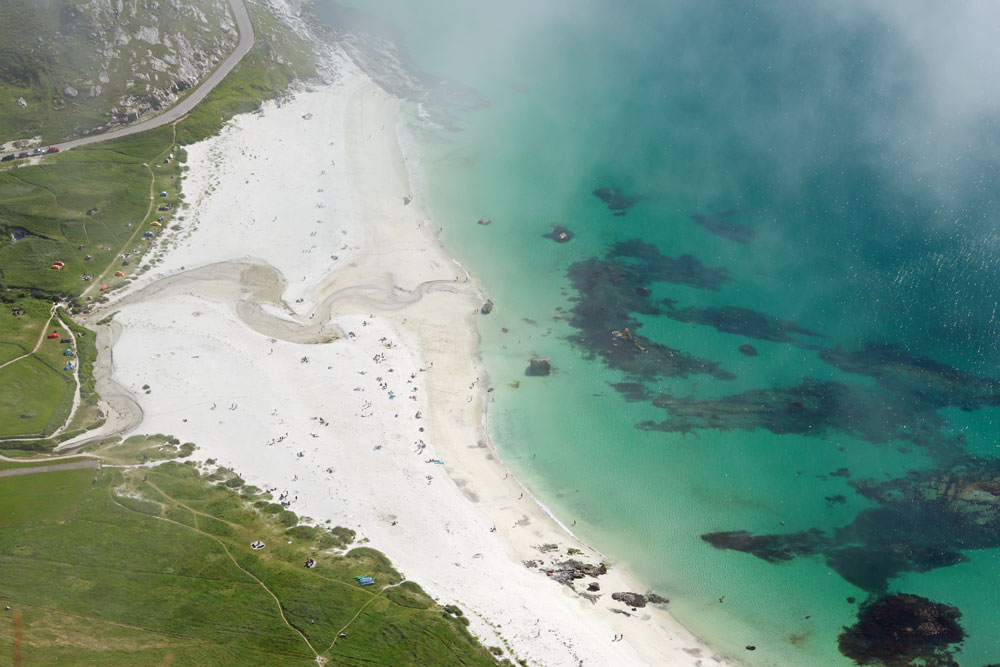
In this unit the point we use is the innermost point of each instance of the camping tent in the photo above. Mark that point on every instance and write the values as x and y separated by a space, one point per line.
53 335
104 288
68 352
119 273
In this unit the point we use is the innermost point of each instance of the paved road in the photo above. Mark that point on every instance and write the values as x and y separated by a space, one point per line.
199 93
72 465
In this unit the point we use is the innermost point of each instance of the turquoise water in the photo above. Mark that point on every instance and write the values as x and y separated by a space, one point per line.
862 214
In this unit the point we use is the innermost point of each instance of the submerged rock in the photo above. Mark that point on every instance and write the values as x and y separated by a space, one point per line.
748 350
484 221
540 366
903 630
559 234
487 308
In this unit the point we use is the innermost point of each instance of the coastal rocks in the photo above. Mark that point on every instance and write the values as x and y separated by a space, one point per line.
634 600
903 630
617 201
571 570
748 350
559 234
484 221
486 308
539 366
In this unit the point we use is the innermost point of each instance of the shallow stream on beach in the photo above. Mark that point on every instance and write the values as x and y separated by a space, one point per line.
796 228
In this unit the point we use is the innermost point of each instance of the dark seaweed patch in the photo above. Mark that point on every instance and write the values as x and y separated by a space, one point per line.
742 321
930 382
810 408
616 200
748 350
614 288
902 631
920 522
771 548
721 225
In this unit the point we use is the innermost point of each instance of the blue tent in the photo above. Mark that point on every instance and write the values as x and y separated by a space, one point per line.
68 353
68 367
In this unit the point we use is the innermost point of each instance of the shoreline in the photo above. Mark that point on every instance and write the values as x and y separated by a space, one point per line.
385 260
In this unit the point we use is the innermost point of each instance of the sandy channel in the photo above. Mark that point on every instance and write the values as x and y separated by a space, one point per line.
308 331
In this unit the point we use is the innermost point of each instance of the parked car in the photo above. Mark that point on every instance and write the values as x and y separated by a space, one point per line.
7 158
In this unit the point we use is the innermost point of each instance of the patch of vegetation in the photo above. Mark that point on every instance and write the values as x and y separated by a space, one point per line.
196 593
139 449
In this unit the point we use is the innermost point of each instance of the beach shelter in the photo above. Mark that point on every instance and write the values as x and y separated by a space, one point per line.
119 273
104 288
53 335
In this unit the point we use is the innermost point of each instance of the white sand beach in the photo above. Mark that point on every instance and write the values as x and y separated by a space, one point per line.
307 330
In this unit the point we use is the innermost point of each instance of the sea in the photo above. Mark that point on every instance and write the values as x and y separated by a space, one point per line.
758 242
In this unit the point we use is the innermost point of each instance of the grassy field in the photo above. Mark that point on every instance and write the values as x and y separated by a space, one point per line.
43 497
154 567
31 394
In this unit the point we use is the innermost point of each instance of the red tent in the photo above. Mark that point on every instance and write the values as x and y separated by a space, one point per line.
104 287
53 335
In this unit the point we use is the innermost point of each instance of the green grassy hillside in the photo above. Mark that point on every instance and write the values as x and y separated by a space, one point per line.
153 566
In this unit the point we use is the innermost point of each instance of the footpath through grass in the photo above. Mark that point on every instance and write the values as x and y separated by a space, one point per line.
154 566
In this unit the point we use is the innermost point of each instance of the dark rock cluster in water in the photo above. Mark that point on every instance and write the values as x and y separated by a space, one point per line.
903 631
617 201
743 322
559 234
721 225
613 288
748 350
919 522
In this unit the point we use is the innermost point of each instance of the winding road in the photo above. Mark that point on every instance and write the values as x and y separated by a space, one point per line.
180 109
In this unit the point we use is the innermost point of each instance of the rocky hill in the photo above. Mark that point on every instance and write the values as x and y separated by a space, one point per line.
72 67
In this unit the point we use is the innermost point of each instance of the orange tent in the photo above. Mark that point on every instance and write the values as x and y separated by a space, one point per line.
119 273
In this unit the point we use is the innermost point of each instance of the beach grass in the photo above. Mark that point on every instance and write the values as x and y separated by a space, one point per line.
155 565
